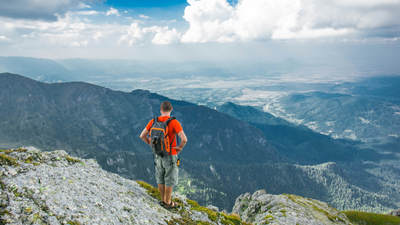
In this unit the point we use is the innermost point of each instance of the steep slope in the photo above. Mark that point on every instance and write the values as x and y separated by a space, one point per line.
55 188
343 116
298 142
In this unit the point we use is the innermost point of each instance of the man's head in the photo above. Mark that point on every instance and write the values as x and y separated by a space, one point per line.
166 106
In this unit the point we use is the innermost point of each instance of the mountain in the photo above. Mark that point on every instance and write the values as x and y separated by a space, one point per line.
224 157
384 88
298 142
368 169
89 119
375 123
44 70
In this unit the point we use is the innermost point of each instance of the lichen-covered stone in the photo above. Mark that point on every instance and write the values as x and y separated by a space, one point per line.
264 208
395 212
55 188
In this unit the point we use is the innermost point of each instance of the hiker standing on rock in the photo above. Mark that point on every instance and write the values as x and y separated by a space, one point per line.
163 131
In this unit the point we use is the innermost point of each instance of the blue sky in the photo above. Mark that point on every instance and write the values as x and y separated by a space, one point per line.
143 29
145 4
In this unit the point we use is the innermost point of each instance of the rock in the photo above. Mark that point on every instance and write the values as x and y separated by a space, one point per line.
213 208
264 208
395 212
12 172
55 188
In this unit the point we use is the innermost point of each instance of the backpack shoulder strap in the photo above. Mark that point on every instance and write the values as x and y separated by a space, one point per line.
170 119
154 121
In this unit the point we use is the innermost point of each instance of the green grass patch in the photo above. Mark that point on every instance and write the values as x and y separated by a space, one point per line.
366 218
7 160
3 213
8 151
212 215
72 160
152 191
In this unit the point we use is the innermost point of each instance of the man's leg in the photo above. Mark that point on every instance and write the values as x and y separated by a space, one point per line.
161 188
167 194
170 178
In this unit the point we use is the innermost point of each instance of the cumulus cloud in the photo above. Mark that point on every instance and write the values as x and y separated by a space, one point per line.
209 21
87 13
136 35
40 9
112 11
5 40
97 36
69 31
219 21
143 16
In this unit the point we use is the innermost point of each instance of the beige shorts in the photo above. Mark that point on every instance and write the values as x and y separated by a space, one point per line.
166 170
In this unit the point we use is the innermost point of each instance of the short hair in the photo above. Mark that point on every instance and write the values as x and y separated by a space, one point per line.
166 106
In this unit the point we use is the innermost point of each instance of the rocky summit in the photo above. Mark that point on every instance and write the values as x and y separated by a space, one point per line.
264 208
55 188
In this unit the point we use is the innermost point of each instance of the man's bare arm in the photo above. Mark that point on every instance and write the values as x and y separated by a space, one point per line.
183 141
143 136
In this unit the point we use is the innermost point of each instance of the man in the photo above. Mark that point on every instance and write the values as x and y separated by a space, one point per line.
166 167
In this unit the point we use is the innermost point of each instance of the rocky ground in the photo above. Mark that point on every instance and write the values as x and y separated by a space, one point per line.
55 188
264 208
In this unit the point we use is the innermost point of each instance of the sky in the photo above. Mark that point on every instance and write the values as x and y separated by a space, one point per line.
200 29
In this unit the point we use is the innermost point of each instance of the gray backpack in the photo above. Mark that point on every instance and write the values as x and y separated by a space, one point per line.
159 139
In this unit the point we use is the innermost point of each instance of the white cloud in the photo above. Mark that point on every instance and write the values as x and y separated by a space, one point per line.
5 39
112 11
79 44
168 21
87 13
367 3
97 36
212 21
136 35
248 20
165 36
143 16
83 6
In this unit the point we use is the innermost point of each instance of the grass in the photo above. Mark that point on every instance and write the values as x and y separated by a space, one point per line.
268 218
152 191
371 218
8 151
7 160
232 219
3 213
72 160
